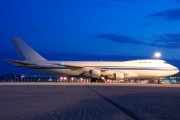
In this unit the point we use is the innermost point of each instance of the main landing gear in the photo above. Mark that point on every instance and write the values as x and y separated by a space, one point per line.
97 80
151 80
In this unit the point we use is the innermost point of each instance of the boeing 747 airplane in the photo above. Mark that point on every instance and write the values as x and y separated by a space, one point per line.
153 68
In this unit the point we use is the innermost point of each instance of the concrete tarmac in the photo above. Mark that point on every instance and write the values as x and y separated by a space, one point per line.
74 101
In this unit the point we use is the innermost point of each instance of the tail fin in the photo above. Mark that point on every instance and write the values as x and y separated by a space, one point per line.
24 51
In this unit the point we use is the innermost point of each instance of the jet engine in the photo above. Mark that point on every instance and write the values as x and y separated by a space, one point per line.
92 73
116 76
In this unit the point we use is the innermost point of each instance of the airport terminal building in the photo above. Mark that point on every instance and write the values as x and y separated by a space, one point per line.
55 78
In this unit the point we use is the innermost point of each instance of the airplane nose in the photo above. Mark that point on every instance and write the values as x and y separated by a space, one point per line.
176 70
173 70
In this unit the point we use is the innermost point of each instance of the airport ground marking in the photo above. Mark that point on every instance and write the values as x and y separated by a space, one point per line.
121 108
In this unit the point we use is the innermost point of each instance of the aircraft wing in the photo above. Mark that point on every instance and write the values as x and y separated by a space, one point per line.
73 67
103 71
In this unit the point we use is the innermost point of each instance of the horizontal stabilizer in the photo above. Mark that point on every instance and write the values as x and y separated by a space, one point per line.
19 63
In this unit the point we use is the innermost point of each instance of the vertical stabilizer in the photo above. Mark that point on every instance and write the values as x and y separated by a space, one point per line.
24 51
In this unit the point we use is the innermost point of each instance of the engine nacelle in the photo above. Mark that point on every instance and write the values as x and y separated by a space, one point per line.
96 73
92 73
116 76
87 74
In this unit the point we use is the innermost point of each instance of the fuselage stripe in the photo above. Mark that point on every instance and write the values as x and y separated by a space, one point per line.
112 68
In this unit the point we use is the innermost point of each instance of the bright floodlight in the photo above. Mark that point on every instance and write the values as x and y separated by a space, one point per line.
157 55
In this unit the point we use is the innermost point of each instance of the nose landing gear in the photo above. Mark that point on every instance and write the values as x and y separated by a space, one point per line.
153 81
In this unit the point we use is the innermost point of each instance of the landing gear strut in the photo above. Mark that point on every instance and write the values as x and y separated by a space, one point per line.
98 80
158 81
93 80
151 80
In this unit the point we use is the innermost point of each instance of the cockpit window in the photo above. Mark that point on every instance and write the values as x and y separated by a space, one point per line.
165 63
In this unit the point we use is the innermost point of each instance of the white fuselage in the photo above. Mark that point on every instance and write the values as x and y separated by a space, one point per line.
132 69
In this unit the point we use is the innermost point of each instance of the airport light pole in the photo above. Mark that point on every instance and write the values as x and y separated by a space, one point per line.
157 55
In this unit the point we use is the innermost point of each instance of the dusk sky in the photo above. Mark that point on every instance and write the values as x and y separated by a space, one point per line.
131 29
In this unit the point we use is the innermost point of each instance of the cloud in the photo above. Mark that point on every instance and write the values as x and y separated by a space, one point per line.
167 40
172 14
119 38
